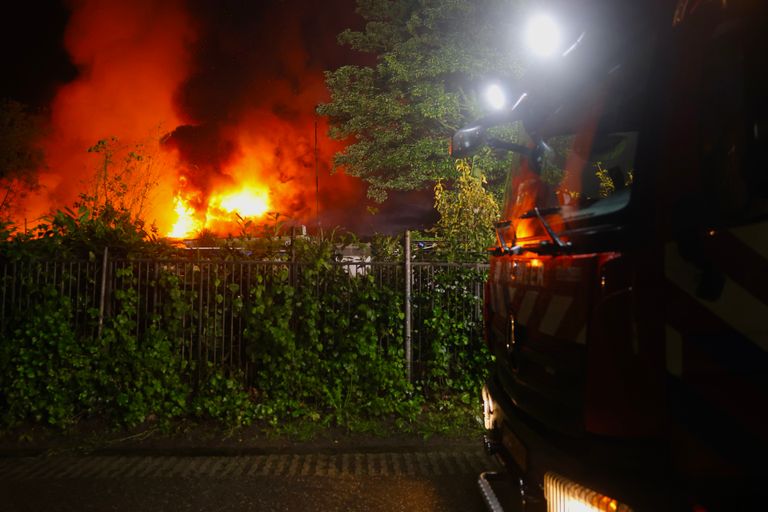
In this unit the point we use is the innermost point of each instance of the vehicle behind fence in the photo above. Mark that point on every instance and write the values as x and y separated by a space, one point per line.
237 314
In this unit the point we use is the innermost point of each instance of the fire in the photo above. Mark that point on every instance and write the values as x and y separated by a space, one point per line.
186 224
247 202
240 139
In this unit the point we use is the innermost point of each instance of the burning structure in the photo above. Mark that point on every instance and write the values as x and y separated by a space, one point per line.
212 108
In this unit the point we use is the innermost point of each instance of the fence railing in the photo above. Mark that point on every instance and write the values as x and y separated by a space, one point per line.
208 302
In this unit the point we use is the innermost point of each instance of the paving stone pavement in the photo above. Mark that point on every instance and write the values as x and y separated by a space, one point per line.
344 465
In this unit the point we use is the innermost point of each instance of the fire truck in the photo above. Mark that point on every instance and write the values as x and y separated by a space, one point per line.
627 297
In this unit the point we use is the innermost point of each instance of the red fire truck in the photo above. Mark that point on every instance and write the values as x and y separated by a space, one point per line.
627 298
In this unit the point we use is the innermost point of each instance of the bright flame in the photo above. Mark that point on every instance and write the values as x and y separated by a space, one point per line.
186 225
248 202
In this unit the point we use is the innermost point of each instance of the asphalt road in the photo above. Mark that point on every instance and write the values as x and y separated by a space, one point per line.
430 480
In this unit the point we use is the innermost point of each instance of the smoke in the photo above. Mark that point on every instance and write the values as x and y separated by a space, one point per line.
131 57
250 101
222 94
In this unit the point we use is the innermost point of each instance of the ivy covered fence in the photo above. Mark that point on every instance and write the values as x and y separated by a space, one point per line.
235 339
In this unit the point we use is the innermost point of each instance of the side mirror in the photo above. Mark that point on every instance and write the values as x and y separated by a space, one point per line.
467 141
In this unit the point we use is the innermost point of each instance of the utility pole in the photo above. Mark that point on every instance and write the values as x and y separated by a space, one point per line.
317 181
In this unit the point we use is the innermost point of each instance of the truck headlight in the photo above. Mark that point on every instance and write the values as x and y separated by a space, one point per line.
488 409
495 97
542 35
564 495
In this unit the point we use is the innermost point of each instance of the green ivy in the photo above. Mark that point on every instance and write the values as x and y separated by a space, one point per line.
321 346
45 369
456 356
222 397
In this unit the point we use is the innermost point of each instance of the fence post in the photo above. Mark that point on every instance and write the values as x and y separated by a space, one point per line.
408 348
103 293
292 268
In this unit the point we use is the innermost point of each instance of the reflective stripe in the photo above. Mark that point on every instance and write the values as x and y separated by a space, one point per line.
735 306
512 292
674 349
581 338
553 317
754 236
526 308
500 305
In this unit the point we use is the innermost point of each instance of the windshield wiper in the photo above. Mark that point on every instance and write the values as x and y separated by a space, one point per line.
557 244
502 248
539 214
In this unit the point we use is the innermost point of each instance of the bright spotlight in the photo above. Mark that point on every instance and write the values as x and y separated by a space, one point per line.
495 97
542 35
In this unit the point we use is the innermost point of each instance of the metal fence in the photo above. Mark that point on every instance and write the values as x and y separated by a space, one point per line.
204 300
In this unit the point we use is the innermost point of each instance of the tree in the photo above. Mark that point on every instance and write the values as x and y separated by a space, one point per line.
109 211
399 113
125 176
467 216
20 155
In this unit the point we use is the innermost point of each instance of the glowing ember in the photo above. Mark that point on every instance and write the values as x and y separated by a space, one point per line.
186 225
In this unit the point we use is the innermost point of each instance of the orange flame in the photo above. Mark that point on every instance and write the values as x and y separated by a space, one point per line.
137 79
186 224
249 201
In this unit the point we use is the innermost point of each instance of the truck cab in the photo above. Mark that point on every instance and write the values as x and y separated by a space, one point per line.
628 289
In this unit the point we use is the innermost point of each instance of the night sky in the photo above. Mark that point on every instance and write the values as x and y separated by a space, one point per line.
225 80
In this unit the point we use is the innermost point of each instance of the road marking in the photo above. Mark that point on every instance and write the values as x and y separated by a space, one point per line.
421 460
307 467
192 467
294 466
345 465
258 461
434 463
410 470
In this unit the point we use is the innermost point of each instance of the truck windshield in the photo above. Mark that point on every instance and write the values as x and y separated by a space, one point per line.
590 180
583 165
579 176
